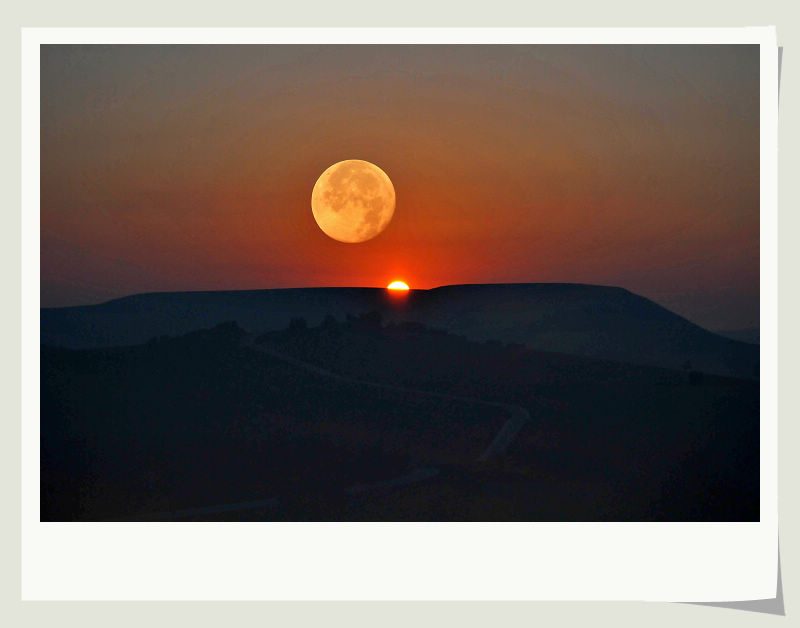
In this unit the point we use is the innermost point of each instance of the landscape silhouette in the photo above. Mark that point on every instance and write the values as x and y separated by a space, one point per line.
504 402
572 238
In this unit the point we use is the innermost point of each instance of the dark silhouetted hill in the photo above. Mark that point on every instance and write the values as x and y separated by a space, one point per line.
200 420
208 418
591 321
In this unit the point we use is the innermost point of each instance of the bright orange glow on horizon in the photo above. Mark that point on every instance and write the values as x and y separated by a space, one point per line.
397 285
627 165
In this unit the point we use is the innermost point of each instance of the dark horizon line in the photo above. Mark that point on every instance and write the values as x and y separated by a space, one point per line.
375 288
455 285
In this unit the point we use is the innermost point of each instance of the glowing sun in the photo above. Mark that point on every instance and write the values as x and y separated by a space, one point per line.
353 201
397 285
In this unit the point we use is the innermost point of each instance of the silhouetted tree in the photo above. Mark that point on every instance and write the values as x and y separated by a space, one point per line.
297 325
372 318
329 322
695 378
412 326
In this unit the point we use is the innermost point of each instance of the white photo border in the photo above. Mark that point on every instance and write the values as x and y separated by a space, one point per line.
399 561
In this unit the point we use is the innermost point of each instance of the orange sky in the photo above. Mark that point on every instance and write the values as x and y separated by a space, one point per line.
191 168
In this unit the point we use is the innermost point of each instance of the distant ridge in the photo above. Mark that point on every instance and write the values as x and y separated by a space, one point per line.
594 321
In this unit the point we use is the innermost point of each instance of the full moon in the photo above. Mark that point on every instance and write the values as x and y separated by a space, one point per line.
353 201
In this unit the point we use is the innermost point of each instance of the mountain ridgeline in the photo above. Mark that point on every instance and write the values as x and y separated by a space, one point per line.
592 321
362 405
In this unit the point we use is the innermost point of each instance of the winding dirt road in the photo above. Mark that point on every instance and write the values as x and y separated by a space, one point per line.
500 443
187 513
519 416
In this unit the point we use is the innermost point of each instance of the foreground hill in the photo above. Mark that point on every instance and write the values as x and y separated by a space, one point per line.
592 321
210 419
202 420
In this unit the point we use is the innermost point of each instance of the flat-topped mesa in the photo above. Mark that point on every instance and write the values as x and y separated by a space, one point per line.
602 322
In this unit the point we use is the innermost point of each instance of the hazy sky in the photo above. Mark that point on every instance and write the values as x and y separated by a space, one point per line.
191 168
